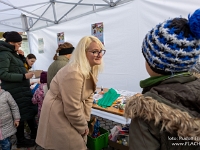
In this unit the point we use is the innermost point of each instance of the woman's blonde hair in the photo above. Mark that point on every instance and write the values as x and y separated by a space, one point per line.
61 46
79 56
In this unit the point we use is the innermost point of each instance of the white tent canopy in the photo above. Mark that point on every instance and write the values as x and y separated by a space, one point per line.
22 15
125 27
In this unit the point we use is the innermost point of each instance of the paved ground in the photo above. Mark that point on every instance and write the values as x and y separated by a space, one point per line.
104 123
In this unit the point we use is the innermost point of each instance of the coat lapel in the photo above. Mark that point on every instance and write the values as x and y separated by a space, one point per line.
94 80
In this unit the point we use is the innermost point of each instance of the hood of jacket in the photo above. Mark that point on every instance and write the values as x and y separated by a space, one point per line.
171 119
4 46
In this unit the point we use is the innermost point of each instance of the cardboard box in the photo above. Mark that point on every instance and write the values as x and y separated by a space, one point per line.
37 73
117 145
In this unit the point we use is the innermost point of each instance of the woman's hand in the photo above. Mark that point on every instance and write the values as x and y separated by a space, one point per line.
29 75
20 52
86 132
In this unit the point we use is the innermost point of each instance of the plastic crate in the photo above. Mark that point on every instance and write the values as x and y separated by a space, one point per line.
99 142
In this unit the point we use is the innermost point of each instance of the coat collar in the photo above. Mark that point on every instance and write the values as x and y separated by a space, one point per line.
4 46
154 80
62 57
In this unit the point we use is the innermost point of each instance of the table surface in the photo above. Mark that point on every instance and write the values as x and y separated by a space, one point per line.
109 109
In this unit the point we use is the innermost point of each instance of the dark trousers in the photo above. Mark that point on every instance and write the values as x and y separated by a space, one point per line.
5 144
20 129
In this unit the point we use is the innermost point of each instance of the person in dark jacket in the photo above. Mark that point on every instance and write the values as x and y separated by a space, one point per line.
61 58
15 79
166 116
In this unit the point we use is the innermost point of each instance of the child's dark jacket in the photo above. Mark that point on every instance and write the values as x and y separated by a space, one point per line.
177 93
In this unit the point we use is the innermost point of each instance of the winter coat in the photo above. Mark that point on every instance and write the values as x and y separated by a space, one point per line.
66 109
8 112
11 76
167 116
55 67
39 95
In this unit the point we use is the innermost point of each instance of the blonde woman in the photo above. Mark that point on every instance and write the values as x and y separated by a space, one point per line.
67 105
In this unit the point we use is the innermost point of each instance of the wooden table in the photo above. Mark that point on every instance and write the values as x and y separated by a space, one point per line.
109 109
109 113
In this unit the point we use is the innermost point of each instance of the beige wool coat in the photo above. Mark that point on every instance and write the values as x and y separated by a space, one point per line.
66 110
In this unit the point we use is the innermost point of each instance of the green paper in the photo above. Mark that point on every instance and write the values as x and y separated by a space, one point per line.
108 98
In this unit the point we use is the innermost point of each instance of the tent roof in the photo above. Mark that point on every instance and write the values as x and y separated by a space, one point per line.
23 15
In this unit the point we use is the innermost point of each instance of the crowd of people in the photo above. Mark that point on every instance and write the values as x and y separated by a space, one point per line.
166 112
82 71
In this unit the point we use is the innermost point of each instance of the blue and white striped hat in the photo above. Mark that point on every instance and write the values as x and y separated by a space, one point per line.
174 45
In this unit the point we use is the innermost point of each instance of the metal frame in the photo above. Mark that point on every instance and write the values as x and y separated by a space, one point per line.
108 4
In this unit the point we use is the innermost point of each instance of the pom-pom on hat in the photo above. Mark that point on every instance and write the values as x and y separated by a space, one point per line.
174 45
12 36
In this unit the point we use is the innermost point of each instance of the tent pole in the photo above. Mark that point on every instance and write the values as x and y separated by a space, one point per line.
22 6
24 22
87 4
54 11
70 10
24 10
41 16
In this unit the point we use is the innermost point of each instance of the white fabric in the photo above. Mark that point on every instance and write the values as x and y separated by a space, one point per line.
110 116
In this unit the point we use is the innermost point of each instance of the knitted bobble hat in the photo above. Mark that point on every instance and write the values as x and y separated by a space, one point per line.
174 45
12 36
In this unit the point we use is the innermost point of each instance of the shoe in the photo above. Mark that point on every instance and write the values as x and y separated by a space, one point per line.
25 143
33 136
33 133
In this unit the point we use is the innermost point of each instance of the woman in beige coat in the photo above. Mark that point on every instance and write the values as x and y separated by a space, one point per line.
67 105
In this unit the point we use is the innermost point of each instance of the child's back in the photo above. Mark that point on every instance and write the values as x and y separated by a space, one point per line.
8 111
39 95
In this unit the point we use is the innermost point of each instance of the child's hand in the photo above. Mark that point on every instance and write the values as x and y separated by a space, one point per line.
16 123
32 83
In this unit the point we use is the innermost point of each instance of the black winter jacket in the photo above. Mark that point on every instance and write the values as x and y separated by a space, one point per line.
11 76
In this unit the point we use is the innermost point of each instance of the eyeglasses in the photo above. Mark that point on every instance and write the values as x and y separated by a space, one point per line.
97 53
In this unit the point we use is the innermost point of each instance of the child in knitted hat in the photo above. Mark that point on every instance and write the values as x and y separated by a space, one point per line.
168 110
